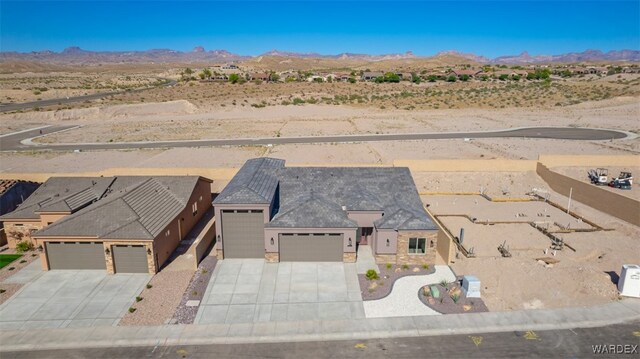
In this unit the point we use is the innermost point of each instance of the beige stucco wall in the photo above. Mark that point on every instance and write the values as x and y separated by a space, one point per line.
183 223
364 218
48 218
380 241
445 251
12 228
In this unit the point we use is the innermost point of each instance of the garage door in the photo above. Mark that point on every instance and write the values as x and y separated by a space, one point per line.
75 255
130 259
243 233
311 247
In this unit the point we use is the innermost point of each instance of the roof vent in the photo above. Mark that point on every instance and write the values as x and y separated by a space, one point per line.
344 208
93 183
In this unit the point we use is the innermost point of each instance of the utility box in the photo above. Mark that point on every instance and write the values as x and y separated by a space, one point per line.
629 282
471 286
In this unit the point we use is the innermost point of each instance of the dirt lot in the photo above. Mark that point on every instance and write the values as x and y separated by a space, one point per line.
584 277
522 212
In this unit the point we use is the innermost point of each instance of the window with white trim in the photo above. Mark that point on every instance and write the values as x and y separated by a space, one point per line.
417 245
194 208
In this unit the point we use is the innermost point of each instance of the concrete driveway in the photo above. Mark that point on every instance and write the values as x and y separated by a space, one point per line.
70 298
250 290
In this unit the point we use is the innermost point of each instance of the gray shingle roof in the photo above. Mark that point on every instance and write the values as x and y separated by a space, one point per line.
387 189
255 183
61 194
312 211
141 210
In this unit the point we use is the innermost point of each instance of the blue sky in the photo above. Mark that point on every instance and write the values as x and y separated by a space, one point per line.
250 28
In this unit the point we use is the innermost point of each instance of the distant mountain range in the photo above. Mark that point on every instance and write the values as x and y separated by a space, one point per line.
199 54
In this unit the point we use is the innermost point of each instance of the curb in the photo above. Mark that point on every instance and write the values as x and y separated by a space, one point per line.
627 310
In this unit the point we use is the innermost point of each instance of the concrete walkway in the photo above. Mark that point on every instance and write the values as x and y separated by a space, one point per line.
627 310
365 260
403 300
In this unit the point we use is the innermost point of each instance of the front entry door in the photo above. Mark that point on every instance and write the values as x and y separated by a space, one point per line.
366 233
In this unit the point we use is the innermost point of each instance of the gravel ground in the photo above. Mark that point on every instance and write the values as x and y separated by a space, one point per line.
448 306
11 288
403 300
160 301
195 291
388 277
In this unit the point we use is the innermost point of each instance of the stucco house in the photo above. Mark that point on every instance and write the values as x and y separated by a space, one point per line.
12 193
121 224
323 214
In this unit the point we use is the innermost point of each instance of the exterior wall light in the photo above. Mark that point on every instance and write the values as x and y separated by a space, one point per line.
149 251
272 241
218 238
388 242
107 251
350 243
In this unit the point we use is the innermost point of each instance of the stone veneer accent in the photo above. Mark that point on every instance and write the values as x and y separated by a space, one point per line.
349 257
385 258
151 263
272 257
25 229
219 254
404 257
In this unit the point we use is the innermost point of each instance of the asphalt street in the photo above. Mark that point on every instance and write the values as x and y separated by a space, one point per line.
6 107
620 340
11 142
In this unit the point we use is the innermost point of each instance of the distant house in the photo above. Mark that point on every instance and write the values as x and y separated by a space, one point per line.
594 70
12 194
578 70
459 73
343 76
230 67
631 70
289 75
371 75
316 78
508 73
262 76
124 224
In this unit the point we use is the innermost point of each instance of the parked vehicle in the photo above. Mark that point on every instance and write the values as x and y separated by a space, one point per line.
623 181
599 176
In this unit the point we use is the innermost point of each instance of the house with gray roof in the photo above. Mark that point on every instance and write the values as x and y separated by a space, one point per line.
323 214
122 224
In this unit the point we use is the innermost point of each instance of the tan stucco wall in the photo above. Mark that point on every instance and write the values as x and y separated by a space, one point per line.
24 227
364 218
444 249
47 219
612 203
380 239
179 228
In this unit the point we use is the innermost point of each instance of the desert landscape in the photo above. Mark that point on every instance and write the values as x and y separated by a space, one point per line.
196 110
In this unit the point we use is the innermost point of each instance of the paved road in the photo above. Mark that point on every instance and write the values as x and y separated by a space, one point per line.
12 142
574 343
6 107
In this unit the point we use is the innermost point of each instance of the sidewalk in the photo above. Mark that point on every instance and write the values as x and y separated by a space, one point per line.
626 310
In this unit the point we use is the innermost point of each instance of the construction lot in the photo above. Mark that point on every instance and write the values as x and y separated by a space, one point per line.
582 273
